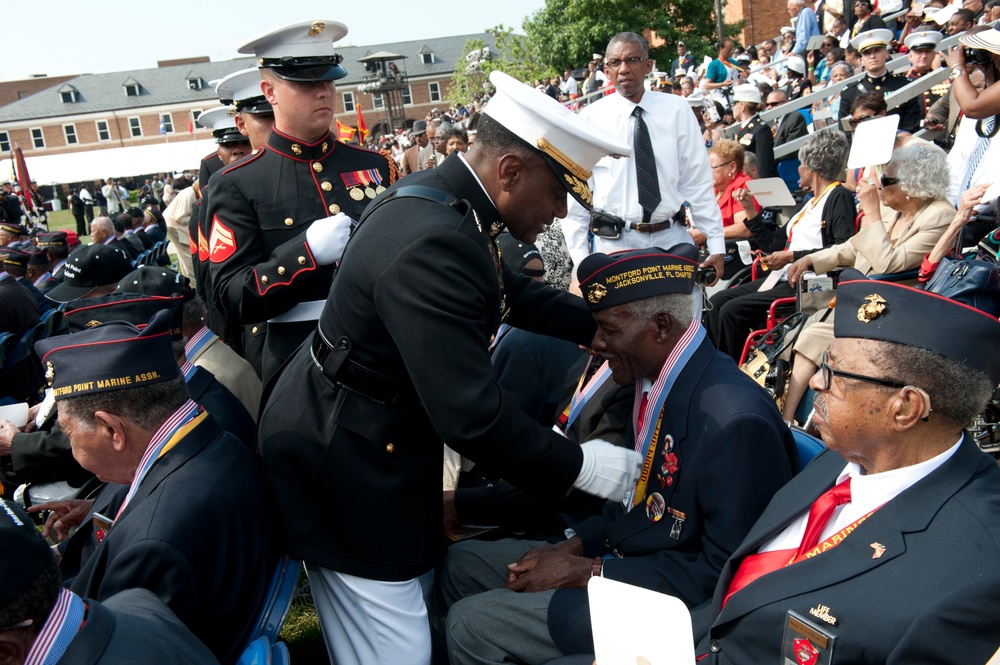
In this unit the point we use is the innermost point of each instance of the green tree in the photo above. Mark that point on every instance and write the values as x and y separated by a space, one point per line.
568 32
514 55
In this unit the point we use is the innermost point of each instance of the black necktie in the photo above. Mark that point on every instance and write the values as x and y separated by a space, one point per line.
645 168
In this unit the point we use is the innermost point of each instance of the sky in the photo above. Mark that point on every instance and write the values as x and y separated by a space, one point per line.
80 38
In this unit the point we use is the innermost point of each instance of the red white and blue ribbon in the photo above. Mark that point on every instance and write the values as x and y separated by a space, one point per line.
59 630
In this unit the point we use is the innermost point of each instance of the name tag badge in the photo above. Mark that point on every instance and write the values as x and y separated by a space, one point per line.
805 642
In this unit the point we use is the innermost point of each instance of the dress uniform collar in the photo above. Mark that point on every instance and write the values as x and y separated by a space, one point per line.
878 80
461 178
293 148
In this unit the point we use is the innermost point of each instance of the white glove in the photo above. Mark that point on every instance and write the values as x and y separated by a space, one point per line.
608 471
328 237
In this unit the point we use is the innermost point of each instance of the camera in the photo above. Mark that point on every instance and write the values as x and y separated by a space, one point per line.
706 275
976 56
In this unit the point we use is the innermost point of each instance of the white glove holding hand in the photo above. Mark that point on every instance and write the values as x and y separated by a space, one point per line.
328 237
608 471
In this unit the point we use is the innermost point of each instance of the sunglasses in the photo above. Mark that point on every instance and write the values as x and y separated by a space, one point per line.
887 181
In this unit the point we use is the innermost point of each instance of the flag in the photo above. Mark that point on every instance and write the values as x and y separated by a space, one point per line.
190 126
362 127
163 130
344 132
22 177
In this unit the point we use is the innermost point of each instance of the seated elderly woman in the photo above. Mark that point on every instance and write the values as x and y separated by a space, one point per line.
826 219
904 216
726 157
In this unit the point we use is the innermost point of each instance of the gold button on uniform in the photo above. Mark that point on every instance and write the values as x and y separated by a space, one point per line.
263 280
302 260
254 330
317 167
288 221
389 448
281 270
326 186
334 208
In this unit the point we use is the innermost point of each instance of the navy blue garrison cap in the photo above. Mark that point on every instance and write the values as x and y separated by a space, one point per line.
608 280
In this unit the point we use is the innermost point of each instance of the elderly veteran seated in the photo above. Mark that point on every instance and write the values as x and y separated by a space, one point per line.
905 213
186 513
827 219
41 622
884 549
715 451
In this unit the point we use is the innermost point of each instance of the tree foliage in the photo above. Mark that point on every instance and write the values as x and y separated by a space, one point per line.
514 55
568 32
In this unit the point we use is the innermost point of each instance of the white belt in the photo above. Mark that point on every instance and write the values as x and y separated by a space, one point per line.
304 311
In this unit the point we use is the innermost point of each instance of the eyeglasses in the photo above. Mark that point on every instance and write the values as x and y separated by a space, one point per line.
854 122
827 373
886 181
615 63
770 104
719 166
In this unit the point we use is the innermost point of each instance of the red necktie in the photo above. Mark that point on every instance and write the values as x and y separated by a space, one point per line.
760 564
642 411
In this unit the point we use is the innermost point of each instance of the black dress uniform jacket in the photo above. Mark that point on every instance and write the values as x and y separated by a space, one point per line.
199 533
925 599
909 112
415 303
259 210
756 137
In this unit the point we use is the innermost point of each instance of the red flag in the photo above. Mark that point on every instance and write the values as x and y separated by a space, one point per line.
22 177
190 126
344 132
362 127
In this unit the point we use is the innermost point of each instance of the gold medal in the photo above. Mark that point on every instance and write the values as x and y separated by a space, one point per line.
356 193
379 189
369 192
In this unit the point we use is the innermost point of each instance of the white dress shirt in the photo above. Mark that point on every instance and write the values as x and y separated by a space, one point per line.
681 167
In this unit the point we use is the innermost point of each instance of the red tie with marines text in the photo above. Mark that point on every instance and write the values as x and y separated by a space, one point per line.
762 563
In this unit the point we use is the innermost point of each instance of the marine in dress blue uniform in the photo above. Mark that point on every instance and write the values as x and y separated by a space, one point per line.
909 112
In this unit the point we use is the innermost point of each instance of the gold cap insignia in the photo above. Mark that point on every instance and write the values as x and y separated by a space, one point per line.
296 149
879 550
92 324
596 293
50 373
874 305
317 28
495 229
580 188
231 112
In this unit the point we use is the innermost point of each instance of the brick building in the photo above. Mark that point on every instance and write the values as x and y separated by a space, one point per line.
62 127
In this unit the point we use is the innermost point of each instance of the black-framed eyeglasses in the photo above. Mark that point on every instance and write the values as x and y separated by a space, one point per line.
719 166
887 181
615 63
827 373
770 104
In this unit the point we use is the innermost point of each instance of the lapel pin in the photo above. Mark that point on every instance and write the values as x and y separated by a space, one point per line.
879 550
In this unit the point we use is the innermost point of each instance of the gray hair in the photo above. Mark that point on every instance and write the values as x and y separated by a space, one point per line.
102 224
825 153
678 305
146 407
958 392
840 64
630 38
922 170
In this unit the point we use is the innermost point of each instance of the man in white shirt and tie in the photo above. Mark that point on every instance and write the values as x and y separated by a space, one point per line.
681 173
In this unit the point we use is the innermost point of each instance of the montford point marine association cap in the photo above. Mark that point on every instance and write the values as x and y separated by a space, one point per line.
222 123
241 90
134 308
608 280
107 357
300 52
879 37
38 258
14 257
925 39
52 239
89 267
155 281
890 312
571 145
13 229
24 554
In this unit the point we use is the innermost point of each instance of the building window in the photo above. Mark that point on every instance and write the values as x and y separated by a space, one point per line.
103 133
194 118
407 96
348 101
377 100
166 123
134 127
194 84
4 142
427 58
70 132
37 139
68 96
435 88
132 90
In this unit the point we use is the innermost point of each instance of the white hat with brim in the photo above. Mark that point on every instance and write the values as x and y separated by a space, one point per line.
940 16
222 121
787 28
796 64
872 39
747 93
987 40
301 51
923 39
571 145
242 90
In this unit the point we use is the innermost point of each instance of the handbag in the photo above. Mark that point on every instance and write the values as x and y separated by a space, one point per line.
971 282
764 364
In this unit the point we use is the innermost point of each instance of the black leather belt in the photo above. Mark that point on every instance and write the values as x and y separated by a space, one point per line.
643 227
357 378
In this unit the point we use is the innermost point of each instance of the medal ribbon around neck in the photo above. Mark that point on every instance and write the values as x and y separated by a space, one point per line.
584 393
645 438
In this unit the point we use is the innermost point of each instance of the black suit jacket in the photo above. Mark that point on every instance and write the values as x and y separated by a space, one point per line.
18 314
792 126
417 301
155 233
921 601
198 533
733 453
